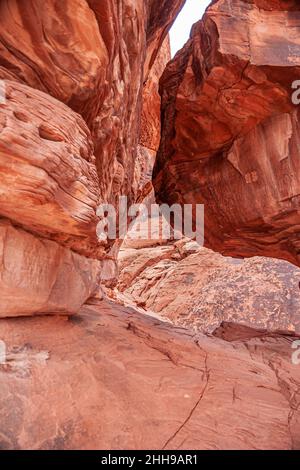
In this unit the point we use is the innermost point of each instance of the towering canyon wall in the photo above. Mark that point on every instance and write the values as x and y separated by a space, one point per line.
230 132
150 130
73 76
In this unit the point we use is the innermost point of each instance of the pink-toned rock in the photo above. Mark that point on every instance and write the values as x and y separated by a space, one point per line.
70 125
48 182
40 276
196 288
143 175
113 379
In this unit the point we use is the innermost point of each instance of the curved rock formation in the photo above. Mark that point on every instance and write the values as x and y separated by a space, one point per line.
72 76
48 180
150 126
80 126
230 137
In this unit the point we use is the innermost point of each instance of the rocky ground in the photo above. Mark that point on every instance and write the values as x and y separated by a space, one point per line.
196 288
112 378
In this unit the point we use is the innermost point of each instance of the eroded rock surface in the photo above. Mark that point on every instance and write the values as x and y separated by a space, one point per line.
114 379
196 288
150 127
94 57
70 115
48 180
80 125
230 131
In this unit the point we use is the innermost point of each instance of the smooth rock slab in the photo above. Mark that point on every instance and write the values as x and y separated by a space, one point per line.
112 379
40 276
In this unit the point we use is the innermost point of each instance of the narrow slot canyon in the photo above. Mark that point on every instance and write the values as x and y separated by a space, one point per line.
173 322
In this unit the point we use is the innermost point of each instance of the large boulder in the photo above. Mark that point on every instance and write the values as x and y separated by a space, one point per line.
39 276
194 287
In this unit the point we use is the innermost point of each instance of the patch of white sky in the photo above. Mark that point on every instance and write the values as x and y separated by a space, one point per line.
192 12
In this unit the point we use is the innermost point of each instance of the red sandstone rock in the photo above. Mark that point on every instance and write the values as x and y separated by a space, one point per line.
38 275
70 126
48 180
150 127
133 34
229 132
196 288
90 55
161 15
55 47
113 379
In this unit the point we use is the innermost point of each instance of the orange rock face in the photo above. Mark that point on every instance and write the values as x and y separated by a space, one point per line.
150 127
48 180
150 124
114 379
55 47
38 275
80 125
194 287
230 131
73 76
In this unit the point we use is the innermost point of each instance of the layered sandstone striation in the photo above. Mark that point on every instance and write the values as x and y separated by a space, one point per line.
132 382
150 126
48 180
73 75
93 56
80 126
230 136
